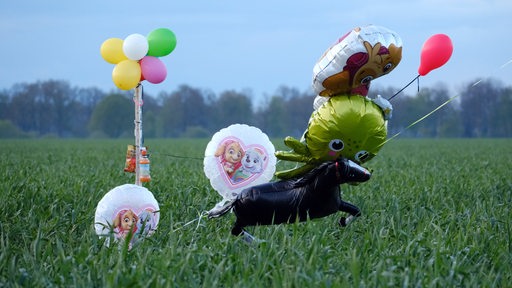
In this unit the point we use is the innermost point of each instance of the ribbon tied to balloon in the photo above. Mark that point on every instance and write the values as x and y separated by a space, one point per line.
137 57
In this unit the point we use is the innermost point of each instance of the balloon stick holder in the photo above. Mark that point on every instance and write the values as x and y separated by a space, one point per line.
139 142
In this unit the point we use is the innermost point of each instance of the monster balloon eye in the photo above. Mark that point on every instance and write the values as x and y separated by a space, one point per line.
336 145
362 156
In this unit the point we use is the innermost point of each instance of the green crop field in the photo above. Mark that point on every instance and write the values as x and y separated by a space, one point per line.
436 213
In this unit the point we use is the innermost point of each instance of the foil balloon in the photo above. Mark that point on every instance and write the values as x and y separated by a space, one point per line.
362 55
236 157
436 51
346 126
314 195
127 213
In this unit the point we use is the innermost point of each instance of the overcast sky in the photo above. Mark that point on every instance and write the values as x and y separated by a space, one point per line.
257 45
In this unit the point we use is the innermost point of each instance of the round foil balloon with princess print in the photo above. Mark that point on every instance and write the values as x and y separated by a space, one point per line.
127 212
237 157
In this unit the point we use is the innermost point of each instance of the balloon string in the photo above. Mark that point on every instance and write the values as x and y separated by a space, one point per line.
438 107
181 157
421 119
202 215
412 81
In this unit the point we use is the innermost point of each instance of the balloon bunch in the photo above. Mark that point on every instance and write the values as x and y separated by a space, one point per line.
136 57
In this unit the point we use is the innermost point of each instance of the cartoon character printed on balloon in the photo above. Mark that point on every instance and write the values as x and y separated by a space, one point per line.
230 155
369 61
238 164
126 214
236 157
252 163
127 222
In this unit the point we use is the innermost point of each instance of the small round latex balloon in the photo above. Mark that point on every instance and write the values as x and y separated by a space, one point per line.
127 212
237 157
161 41
135 46
153 69
126 75
112 50
436 51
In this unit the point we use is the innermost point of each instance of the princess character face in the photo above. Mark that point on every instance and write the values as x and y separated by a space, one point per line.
126 220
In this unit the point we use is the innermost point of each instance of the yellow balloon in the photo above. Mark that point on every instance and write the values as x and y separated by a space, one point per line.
112 50
126 74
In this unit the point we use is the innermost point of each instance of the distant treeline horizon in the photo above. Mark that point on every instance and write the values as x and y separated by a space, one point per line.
53 108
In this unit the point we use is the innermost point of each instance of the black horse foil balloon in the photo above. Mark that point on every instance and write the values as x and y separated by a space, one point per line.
313 195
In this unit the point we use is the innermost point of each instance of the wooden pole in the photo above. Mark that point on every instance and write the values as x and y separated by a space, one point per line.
137 99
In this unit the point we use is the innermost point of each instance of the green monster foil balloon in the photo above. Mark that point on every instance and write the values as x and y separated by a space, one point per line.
346 123
348 126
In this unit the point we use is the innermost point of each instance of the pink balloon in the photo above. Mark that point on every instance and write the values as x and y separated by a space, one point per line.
153 69
436 51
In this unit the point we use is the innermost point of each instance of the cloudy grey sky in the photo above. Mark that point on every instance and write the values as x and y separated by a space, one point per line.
257 45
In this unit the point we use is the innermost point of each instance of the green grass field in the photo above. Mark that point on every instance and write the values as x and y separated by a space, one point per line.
436 213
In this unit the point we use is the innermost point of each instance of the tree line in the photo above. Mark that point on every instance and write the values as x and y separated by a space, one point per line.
54 108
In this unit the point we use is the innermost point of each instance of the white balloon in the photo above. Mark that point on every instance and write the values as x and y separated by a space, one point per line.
237 157
135 46
126 207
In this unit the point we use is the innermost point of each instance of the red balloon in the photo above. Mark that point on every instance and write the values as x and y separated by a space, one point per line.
436 51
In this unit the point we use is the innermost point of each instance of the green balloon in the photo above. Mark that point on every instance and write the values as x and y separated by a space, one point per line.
161 42
349 126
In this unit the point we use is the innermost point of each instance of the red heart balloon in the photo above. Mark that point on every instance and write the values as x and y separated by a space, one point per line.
436 51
